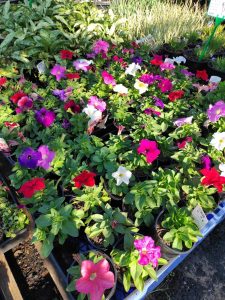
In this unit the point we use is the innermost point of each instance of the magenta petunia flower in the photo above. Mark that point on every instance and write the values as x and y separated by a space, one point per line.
45 117
182 121
147 78
96 278
149 253
59 72
167 66
165 85
108 78
47 157
158 102
206 161
150 111
97 103
24 104
216 111
100 46
149 149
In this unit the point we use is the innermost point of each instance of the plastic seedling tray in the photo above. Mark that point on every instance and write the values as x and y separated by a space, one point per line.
214 219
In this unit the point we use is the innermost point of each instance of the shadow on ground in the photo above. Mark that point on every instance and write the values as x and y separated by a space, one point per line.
201 276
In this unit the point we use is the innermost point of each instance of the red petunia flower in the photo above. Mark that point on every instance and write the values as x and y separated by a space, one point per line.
11 125
72 105
29 188
176 95
212 177
183 143
72 76
85 178
202 75
157 60
16 97
3 80
66 54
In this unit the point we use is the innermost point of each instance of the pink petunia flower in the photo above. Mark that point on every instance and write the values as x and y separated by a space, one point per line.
47 157
108 78
100 46
149 253
182 121
59 72
149 149
165 85
166 66
97 103
82 64
206 161
96 278
216 111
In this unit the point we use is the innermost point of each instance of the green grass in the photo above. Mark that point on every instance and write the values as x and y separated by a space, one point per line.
219 64
161 21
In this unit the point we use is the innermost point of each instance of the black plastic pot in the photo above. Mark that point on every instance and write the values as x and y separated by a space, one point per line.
113 269
167 252
213 71
193 63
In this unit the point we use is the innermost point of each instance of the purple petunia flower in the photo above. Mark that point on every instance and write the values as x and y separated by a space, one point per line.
186 73
66 124
97 103
216 111
147 78
59 72
29 158
45 117
47 157
63 95
158 102
137 60
182 121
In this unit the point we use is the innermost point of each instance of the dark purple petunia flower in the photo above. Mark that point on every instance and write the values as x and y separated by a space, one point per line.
206 161
158 102
29 158
137 60
45 117
66 124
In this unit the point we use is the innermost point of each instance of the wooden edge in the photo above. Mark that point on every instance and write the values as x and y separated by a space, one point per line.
8 284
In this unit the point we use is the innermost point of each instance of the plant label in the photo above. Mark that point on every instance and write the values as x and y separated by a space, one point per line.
217 9
199 216
41 67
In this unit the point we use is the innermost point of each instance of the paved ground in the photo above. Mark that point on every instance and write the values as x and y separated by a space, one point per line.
201 276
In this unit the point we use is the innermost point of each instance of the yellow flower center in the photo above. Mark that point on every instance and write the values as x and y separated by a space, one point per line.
121 175
93 276
218 111
141 84
221 141
144 251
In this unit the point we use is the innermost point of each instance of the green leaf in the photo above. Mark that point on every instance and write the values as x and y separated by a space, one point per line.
70 228
126 280
151 272
43 221
71 286
47 246
7 40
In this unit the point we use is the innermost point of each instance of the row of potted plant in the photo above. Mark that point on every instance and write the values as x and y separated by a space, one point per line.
105 143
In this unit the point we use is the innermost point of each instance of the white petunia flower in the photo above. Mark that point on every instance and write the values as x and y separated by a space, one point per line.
179 60
132 69
215 79
169 60
141 86
94 114
218 140
122 175
222 169
120 88
3 145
